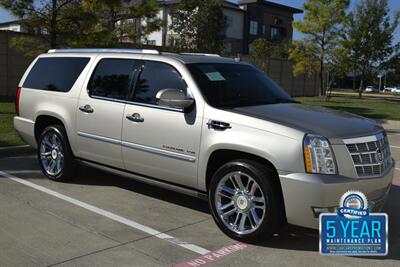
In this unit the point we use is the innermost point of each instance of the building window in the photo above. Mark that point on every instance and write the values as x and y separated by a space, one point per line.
228 21
253 27
277 34
264 29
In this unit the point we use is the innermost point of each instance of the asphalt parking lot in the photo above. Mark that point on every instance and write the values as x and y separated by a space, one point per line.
99 219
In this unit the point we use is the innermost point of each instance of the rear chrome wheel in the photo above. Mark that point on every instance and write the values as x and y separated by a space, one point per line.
52 154
240 202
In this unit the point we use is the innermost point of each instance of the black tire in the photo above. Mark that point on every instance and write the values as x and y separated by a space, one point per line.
273 218
69 164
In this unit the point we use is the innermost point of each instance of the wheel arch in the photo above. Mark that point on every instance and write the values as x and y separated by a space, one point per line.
44 120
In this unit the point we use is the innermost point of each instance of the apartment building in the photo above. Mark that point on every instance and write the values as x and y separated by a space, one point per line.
268 20
247 20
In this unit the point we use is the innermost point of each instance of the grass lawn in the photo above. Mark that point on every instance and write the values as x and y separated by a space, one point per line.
374 108
8 136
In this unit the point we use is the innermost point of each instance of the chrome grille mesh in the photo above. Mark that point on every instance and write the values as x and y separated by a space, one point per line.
370 157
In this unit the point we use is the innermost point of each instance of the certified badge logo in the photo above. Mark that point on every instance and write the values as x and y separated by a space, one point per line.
353 205
353 230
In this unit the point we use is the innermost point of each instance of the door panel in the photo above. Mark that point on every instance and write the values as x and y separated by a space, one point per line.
100 111
99 133
164 146
157 141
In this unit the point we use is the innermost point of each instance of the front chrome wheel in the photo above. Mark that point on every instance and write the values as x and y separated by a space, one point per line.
51 154
240 202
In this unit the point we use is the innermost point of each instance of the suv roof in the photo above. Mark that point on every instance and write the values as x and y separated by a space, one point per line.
185 58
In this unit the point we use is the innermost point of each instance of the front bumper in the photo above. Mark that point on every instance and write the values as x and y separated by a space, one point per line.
302 192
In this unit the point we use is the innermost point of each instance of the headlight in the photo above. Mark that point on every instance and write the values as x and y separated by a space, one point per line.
318 155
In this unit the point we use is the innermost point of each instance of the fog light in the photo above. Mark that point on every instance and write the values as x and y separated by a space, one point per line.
318 211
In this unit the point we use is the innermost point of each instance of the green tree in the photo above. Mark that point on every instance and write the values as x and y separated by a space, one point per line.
199 25
120 23
392 70
81 23
322 27
370 38
50 21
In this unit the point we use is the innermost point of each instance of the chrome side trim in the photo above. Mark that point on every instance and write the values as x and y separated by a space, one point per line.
100 138
364 139
154 106
159 151
108 99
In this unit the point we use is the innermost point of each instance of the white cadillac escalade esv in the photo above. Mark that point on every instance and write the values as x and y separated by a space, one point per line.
203 125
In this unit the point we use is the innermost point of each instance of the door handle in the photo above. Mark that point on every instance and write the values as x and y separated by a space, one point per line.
135 117
86 109
218 125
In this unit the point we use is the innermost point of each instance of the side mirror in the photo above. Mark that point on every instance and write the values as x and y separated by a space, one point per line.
174 98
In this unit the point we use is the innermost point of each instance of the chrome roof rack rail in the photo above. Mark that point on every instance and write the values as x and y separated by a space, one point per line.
104 50
200 54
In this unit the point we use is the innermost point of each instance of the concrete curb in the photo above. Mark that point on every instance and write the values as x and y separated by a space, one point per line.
11 151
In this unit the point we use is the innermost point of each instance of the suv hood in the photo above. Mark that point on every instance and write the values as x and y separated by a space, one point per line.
313 119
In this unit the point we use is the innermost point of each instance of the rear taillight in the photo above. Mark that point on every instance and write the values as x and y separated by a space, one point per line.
17 101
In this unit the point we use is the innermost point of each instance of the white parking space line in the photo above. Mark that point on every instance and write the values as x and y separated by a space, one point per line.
110 215
395 146
397 169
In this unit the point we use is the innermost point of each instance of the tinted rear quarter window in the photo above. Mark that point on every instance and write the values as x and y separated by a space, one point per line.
57 74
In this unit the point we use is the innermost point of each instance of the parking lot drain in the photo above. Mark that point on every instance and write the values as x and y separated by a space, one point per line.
110 215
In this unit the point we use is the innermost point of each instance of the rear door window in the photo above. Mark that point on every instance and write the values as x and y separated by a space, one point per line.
57 74
113 78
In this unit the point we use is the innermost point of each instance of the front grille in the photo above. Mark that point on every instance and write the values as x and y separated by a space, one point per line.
371 155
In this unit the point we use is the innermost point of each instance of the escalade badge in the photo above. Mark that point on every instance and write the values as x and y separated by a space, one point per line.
379 156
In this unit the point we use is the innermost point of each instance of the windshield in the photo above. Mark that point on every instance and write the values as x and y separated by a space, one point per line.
229 85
